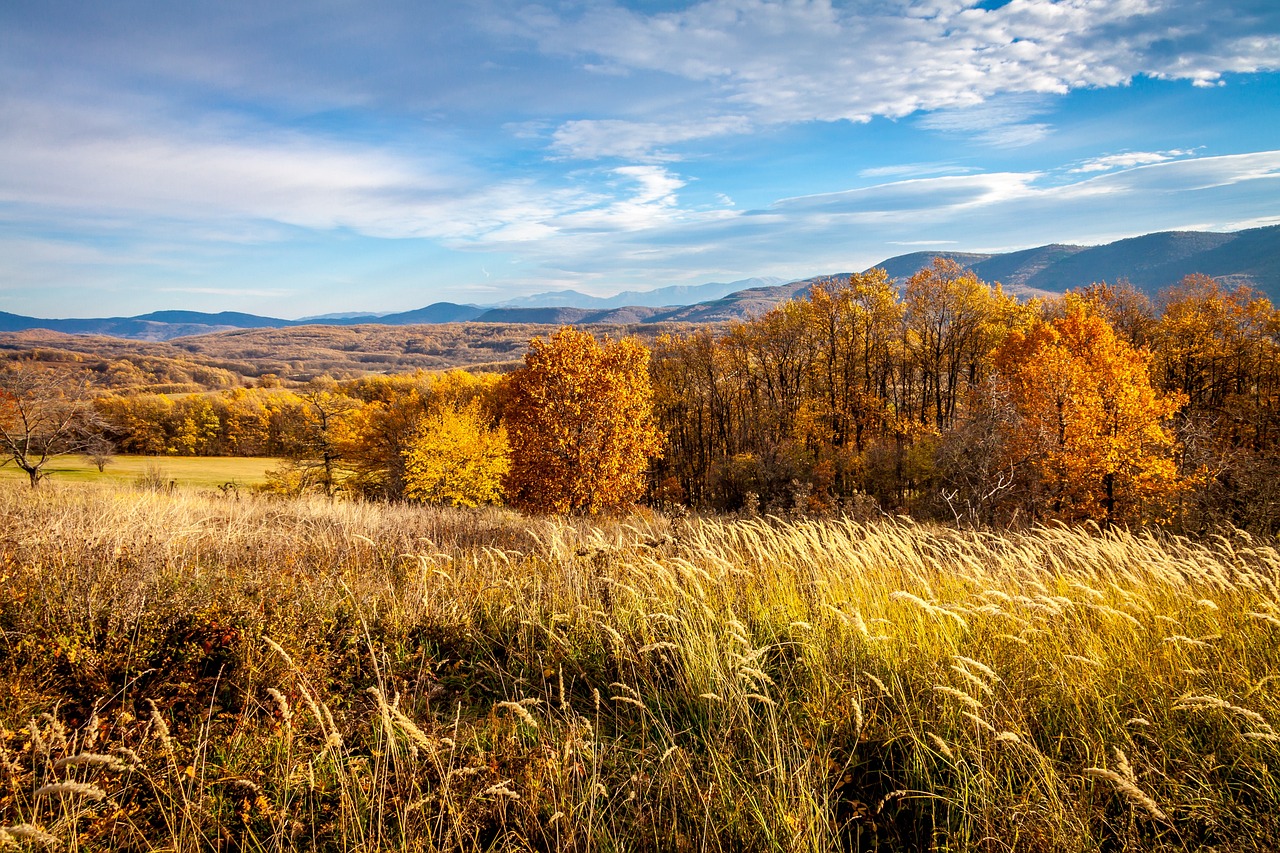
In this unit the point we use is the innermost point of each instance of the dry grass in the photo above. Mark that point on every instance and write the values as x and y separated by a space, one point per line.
185 673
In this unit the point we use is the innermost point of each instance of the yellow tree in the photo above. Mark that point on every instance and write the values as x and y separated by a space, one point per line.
457 457
1087 422
953 320
579 416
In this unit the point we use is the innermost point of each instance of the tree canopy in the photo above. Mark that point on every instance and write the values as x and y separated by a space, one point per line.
579 416
1088 422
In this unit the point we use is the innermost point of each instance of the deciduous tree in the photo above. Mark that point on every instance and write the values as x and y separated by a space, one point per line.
44 414
1088 424
580 420
457 457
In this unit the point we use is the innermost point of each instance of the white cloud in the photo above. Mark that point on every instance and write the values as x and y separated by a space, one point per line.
914 170
811 60
921 242
1128 160
1005 121
1005 211
593 139
89 166
927 196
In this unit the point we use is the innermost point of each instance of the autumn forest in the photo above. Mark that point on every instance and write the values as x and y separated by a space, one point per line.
944 398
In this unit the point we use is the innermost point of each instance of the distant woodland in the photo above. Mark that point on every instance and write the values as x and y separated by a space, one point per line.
292 356
943 398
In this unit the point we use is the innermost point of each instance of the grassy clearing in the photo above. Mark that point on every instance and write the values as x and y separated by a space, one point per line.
201 472
189 673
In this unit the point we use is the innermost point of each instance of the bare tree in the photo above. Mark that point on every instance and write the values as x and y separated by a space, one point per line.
100 450
44 414
313 448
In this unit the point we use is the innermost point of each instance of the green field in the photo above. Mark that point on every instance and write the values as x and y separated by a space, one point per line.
204 472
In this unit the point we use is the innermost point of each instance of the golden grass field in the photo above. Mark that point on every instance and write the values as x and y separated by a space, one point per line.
187 672
205 472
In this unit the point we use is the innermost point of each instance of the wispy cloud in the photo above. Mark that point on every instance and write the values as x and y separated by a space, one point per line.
1006 121
812 60
1129 159
92 166
593 139
913 170
233 149
923 194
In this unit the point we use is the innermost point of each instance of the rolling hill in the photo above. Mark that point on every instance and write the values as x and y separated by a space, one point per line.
1151 262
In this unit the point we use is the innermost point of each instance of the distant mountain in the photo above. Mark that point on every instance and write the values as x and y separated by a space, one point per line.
338 315
736 306
901 267
147 327
1150 262
660 298
438 312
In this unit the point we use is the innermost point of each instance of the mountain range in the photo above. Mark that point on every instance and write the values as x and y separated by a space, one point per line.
1150 262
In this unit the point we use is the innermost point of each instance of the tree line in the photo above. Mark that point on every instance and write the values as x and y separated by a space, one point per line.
942 398
949 398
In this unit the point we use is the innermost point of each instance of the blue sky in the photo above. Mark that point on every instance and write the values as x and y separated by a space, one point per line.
292 158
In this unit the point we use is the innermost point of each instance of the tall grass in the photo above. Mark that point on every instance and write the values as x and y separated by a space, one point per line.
188 673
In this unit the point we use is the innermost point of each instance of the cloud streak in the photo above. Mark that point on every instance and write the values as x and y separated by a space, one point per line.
811 60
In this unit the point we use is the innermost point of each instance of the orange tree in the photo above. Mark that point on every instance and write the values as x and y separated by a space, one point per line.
1087 423
579 418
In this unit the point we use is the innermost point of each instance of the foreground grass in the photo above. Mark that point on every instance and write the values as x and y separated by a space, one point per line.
203 472
188 673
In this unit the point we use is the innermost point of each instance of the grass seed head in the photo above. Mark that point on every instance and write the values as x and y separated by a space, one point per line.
1131 791
72 789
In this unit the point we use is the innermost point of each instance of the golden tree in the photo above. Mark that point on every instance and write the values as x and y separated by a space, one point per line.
457 457
580 421
1087 420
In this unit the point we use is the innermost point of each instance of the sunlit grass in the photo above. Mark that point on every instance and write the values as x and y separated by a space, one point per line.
203 472
364 677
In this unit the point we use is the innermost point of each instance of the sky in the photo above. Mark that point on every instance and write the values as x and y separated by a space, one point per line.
300 158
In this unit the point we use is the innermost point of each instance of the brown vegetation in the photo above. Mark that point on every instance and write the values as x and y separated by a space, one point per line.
293 356
201 673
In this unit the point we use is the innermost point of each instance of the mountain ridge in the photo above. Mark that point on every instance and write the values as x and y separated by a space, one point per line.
1150 262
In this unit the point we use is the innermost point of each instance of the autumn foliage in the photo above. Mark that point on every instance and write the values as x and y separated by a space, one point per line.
579 417
1086 421
941 396
457 457
948 398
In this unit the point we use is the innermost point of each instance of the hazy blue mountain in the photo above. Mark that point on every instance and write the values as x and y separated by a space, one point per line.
437 312
904 266
660 298
1151 262
741 305
157 326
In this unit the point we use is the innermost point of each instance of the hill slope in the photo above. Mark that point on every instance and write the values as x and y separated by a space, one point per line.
1151 262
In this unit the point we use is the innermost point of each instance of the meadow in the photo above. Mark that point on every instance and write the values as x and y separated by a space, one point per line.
204 472
189 671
